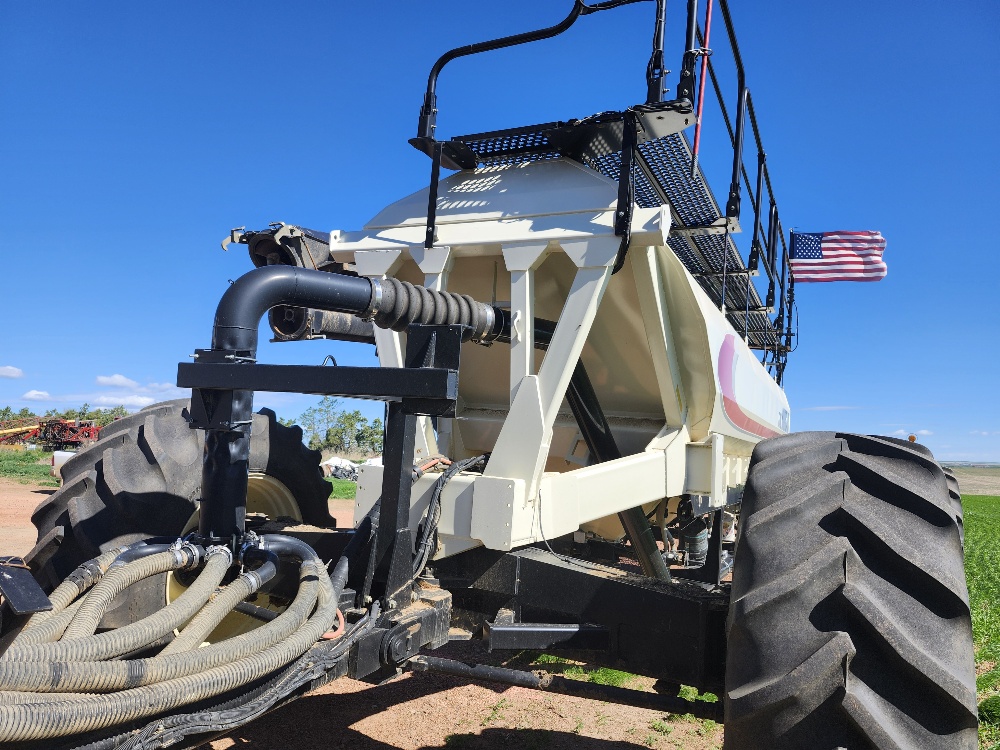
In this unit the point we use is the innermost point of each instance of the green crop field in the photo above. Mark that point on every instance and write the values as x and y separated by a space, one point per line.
982 570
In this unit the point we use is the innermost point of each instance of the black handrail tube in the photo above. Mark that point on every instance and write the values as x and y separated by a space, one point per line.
428 113
772 242
769 257
655 71
733 204
755 242
685 86
725 113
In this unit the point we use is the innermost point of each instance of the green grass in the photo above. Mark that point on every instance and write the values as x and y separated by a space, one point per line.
597 675
24 466
343 489
982 571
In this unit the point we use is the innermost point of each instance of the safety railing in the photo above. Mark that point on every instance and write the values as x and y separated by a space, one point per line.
768 248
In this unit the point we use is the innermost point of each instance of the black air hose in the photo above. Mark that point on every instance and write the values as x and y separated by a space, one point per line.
402 304
388 302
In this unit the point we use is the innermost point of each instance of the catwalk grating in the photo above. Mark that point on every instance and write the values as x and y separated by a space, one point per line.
661 175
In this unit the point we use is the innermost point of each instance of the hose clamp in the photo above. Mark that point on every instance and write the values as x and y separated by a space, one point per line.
252 579
376 301
91 573
218 549
251 540
490 332
193 552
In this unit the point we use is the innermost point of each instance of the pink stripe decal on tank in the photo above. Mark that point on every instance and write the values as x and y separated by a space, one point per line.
727 380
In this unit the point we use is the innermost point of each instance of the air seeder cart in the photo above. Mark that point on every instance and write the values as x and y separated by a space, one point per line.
585 431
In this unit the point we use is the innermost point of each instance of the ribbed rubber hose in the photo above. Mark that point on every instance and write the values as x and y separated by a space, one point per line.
88 617
50 630
196 631
45 720
108 676
76 583
11 697
404 304
131 637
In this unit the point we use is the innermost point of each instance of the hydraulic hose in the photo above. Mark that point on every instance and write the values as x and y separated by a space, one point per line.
54 719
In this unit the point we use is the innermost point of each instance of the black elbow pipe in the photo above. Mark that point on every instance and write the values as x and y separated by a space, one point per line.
268 560
389 303
287 546
253 294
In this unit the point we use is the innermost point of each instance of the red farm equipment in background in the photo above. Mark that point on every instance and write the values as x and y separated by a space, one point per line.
50 434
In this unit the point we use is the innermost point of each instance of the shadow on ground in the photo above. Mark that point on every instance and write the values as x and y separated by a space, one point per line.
328 721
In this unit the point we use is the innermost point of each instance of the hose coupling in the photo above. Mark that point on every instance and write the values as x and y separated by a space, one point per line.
373 306
251 541
219 549
253 580
193 552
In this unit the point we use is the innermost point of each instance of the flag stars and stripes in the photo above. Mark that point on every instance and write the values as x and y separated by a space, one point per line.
837 256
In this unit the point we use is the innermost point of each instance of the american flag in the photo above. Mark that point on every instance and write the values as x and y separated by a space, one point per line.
837 256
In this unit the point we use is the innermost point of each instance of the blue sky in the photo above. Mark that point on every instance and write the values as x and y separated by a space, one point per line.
133 136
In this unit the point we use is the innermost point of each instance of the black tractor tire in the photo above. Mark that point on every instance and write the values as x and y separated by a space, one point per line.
142 478
955 497
849 624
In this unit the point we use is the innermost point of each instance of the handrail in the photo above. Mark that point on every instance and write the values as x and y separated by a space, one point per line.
768 247
426 124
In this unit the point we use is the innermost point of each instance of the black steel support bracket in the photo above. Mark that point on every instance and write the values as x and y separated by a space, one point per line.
426 390
675 631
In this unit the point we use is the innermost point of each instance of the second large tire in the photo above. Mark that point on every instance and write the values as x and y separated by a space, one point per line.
849 624
143 479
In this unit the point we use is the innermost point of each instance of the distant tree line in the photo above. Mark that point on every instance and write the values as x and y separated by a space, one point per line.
327 426
100 417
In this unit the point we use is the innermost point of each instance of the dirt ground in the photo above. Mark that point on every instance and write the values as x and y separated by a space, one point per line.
422 710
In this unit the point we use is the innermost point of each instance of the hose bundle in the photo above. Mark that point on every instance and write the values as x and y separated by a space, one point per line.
59 678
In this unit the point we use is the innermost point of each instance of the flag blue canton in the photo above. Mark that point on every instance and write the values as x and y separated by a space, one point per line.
807 245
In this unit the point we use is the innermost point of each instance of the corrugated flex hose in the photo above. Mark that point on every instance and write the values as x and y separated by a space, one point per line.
59 678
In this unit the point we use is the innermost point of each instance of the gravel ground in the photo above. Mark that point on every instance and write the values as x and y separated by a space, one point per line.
422 710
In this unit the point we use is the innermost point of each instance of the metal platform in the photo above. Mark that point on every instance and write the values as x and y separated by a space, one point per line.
661 176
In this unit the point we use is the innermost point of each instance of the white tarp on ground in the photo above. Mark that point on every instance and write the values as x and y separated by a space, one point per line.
340 468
